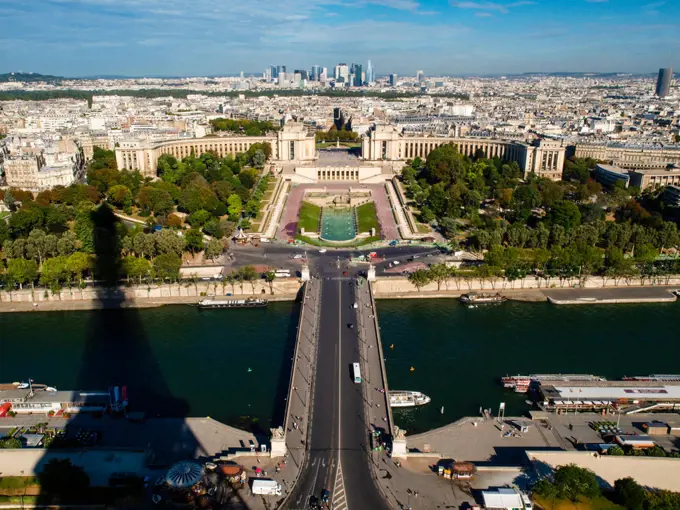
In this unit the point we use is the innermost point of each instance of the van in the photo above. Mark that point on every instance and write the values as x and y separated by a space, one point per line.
526 501
266 487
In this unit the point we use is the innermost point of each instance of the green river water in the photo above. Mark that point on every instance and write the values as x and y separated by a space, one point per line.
178 360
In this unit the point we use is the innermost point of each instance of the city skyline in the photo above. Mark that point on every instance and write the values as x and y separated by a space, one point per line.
142 38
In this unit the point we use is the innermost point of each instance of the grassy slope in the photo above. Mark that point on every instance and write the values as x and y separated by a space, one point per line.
309 217
367 218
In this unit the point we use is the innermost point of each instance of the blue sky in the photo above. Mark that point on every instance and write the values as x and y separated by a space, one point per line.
222 37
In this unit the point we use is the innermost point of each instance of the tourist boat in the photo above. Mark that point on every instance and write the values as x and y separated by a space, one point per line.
522 383
408 399
232 303
519 383
473 298
655 378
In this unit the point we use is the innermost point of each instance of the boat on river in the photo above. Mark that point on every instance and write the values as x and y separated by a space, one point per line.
484 298
522 383
655 378
232 303
408 398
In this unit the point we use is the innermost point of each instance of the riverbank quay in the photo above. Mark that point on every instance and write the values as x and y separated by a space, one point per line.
143 296
610 296
532 289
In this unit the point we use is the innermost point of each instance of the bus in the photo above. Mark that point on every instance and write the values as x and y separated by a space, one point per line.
357 372
282 273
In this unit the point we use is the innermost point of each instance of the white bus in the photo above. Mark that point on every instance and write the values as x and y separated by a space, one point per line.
282 273
357 372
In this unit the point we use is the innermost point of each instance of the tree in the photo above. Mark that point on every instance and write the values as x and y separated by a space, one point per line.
439 273
38 246
629 493
235 206
175 221
22 271
120 196
270 276
136 267
10 443
565 213
572 481
144 245
168 241
54 272
84 227
166 266
420 278
213 249
67 243
193 240
198 218
249 274
63 481
77 264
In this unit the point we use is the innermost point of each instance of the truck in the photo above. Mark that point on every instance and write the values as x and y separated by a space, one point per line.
266 487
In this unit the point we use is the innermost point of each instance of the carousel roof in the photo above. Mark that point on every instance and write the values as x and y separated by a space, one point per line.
184 474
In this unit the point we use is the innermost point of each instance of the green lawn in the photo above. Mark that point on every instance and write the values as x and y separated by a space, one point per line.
309 217
422 228
367 218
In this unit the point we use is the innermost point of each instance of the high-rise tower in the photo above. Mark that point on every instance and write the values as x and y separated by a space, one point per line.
663 82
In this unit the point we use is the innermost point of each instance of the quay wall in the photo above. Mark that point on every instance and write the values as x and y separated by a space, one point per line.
284 289
402 288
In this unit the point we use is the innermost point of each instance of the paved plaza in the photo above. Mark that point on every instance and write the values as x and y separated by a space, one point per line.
289 219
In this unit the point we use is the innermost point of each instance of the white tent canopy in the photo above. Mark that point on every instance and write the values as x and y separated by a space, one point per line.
507 499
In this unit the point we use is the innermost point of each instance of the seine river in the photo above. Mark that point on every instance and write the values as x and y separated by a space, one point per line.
233 364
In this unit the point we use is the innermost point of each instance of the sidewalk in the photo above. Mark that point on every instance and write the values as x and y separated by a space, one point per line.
303 376
376 399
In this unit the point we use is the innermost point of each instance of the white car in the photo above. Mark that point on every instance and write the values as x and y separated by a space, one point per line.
298 256
323 250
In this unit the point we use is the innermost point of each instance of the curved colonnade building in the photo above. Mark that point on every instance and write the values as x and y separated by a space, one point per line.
382 147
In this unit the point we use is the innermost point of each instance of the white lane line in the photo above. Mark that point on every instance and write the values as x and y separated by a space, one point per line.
339 363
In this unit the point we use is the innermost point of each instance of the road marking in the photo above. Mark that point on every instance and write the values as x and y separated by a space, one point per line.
339 501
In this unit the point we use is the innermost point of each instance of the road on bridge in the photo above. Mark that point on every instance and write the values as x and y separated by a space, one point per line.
338 458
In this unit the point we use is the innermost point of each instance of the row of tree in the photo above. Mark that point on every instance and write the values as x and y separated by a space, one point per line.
574 484
482 203
578 261
245 127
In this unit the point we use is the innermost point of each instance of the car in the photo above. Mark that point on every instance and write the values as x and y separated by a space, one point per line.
325 496
298 256
323 250
416 256
350 326
314 503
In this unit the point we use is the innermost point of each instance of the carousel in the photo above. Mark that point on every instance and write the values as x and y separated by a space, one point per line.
189 484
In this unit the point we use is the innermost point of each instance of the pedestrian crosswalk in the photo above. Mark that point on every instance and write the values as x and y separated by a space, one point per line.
339 500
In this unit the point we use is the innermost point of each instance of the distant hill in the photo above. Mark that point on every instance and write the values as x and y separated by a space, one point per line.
30 78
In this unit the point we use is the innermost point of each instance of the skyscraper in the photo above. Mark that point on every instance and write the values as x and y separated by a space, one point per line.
420 76
341 73
315 73
358 81
370 76
393 79
274 71
663 82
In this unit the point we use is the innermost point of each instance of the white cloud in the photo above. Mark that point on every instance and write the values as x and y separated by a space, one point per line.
491 6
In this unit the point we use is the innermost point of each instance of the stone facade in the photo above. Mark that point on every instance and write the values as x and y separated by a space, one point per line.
544 158
291 144
627 157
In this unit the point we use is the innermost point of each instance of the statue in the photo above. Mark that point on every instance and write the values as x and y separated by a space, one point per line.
277 433
399 434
